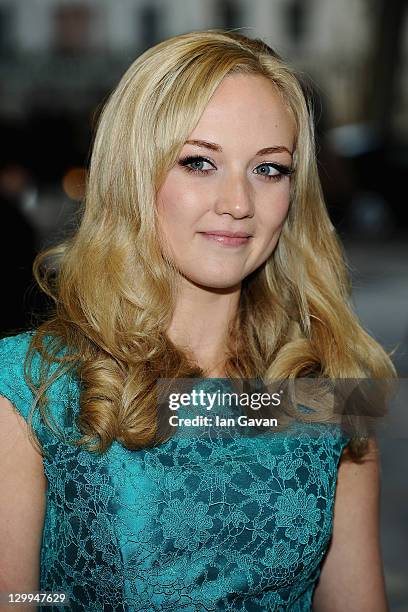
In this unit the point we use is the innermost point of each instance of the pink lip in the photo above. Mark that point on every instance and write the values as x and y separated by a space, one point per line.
227 238
229 234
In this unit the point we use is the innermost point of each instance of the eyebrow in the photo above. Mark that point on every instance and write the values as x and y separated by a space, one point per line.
215 147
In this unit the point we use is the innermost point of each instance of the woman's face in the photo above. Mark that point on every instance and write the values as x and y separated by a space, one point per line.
232 176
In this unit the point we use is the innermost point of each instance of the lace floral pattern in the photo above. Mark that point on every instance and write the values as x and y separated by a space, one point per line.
196 524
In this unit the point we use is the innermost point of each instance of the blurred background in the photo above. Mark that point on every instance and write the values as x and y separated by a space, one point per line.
60 59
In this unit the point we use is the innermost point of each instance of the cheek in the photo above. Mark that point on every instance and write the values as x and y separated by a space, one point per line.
178 205
169 210
274 213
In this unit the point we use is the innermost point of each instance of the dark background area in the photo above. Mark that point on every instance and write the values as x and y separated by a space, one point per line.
60 59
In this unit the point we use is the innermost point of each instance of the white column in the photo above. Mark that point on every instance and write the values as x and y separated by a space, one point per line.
180 16
332 24
122 28
33 24
264 19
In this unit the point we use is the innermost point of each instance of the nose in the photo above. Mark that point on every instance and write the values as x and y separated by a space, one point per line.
234 197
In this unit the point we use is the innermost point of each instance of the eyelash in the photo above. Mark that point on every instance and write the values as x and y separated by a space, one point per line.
283 170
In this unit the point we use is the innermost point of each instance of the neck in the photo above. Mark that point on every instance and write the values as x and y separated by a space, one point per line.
200 324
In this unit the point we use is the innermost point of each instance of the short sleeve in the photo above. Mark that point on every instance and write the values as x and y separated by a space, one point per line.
62 394
344 440
13 386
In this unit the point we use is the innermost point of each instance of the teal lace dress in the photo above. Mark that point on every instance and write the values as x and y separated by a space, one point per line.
196 524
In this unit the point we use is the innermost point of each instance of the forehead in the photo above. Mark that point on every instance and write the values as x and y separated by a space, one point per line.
246 108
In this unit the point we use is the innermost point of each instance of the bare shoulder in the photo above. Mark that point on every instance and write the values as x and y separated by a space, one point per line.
23 485
352 574
363 473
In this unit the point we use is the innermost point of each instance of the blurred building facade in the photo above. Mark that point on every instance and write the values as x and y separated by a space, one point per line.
68 53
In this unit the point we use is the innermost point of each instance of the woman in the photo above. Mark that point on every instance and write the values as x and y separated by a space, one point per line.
204 250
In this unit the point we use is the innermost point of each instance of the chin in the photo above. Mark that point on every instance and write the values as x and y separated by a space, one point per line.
215 281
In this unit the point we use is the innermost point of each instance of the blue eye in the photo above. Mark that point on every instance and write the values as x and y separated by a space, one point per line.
273 171
269 171
194 163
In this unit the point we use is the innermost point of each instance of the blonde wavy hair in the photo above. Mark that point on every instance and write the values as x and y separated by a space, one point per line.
114 291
